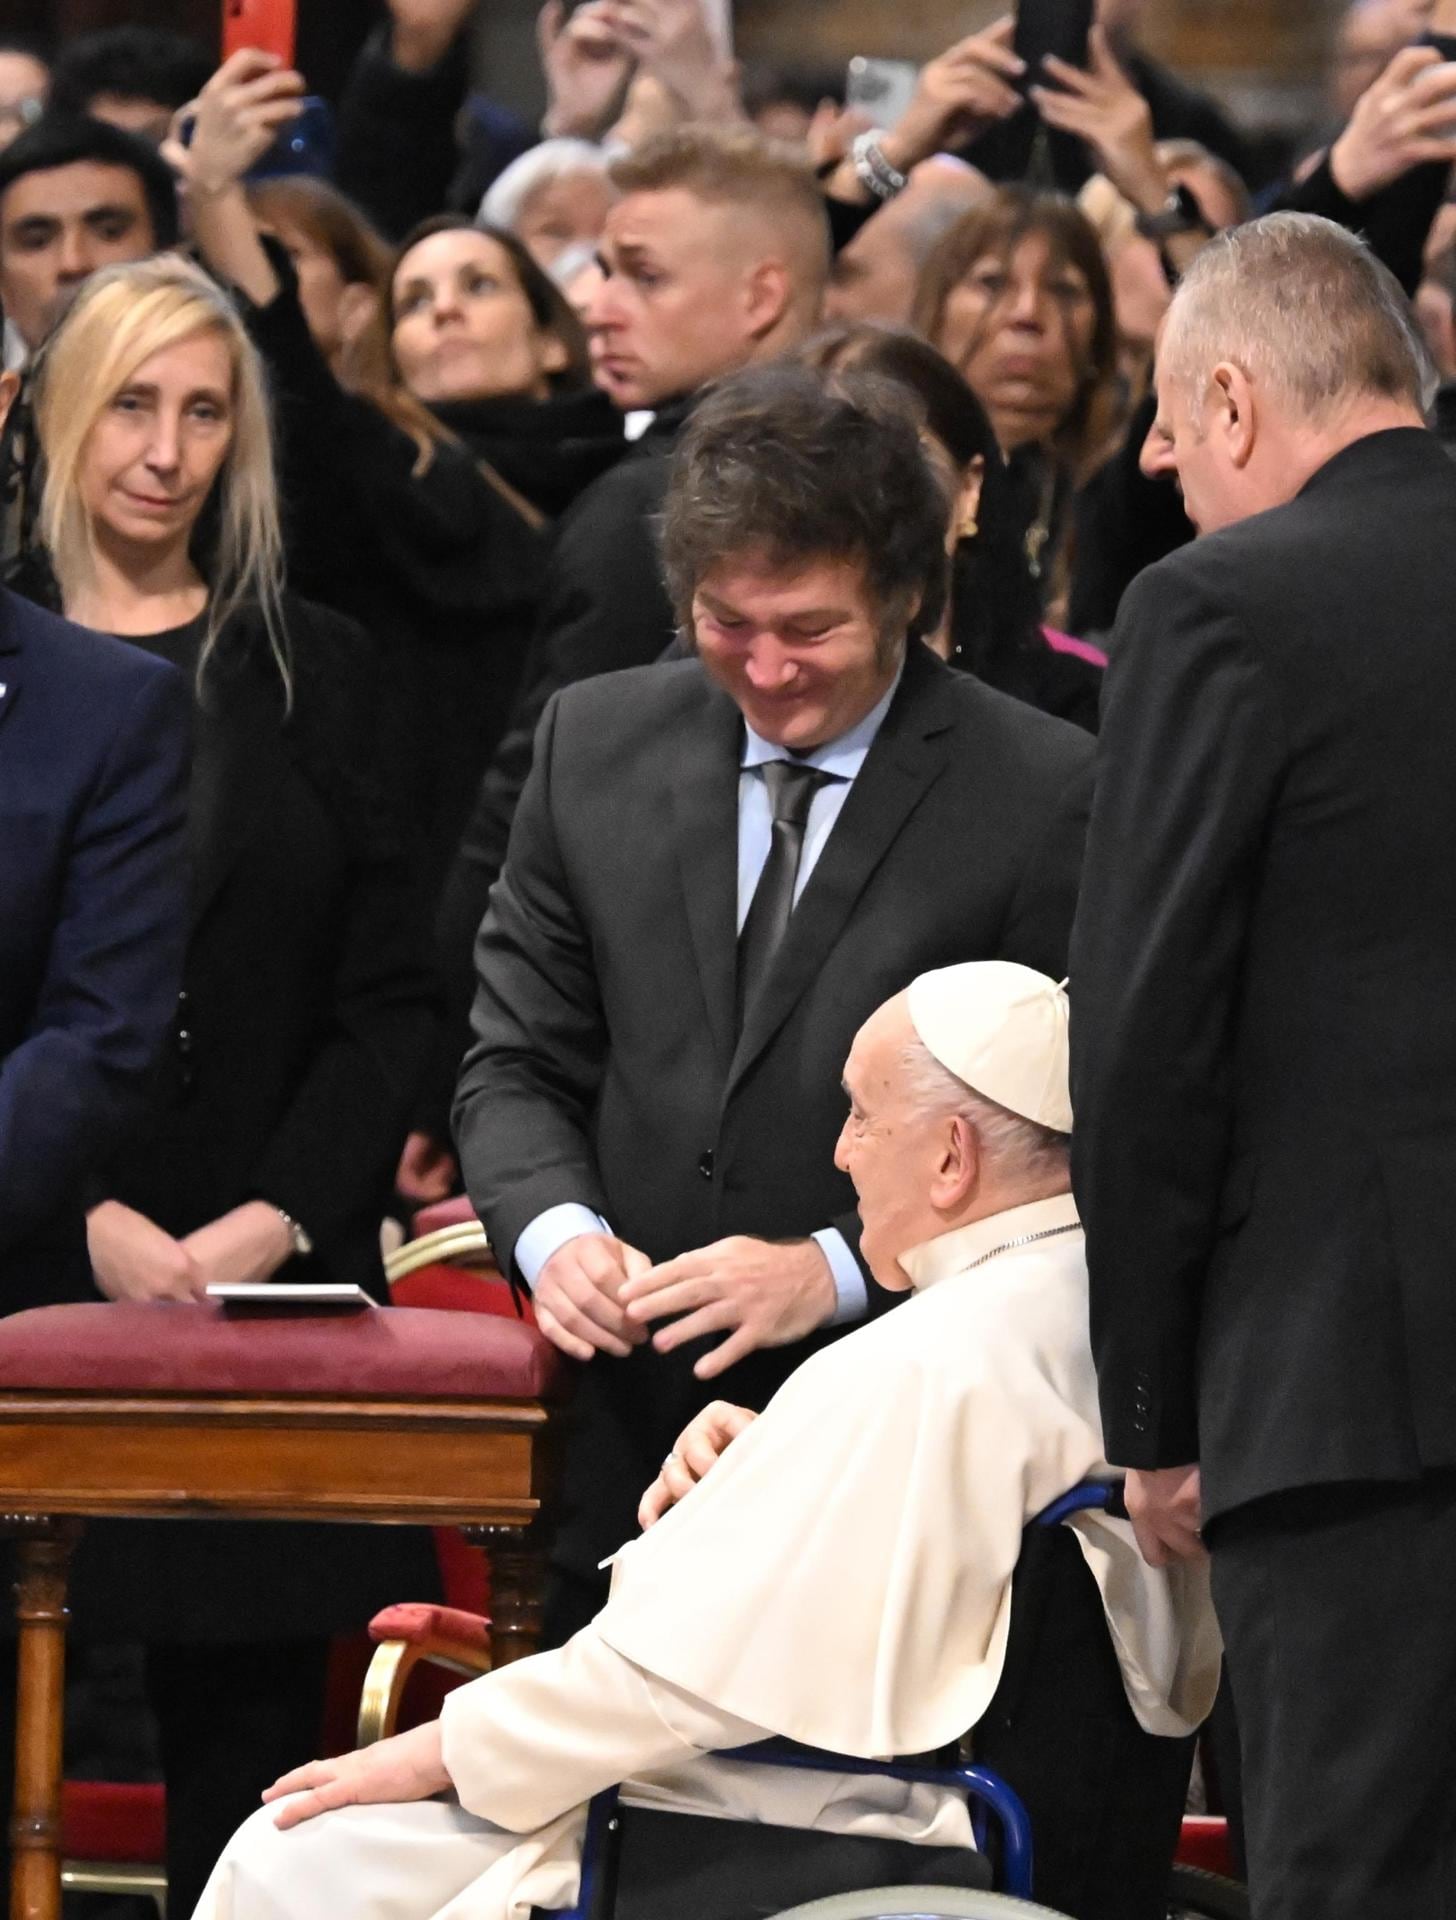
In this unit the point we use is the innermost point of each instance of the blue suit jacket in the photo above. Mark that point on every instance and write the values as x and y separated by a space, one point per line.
94 742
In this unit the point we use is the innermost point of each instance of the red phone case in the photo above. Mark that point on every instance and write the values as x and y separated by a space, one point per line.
269 25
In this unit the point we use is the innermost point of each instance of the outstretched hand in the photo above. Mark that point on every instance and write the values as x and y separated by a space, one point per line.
761 1293
672 41
1406 119
586 67
235 119
1101 105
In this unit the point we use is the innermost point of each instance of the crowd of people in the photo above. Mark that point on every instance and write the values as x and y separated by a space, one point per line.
676 617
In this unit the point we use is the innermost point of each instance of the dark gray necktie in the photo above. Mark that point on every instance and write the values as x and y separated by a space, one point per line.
791 790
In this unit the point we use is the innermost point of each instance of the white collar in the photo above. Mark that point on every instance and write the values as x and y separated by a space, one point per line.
961 1248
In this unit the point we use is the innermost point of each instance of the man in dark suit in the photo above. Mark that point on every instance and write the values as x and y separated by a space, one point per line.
1264 1052
649 1084
93 753
716 255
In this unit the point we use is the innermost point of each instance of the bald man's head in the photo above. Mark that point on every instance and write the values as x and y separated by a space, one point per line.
716 254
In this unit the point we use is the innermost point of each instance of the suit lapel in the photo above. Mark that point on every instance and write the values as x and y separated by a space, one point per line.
902 765
238 757
702 772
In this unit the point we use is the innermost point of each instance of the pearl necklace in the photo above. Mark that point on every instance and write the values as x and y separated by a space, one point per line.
1024 1240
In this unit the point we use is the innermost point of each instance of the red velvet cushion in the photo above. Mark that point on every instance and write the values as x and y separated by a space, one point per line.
417 1620
442 1213
104 1820
145 1347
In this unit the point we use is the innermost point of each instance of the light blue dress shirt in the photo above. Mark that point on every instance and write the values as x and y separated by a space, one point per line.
843 759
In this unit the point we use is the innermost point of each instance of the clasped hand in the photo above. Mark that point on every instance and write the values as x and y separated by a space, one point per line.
596 1294
762 1293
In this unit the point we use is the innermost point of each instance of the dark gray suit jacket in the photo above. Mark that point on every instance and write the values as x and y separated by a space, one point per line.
605 1067
1264 993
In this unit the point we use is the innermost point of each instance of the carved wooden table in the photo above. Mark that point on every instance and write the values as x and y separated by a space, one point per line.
402 1418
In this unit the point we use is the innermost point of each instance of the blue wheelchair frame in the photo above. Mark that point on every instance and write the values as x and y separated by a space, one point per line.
986 1792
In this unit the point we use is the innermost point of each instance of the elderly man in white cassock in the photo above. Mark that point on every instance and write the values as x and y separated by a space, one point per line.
843 1574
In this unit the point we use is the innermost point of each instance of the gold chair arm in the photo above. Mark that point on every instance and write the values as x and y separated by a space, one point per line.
465 1245
388 1675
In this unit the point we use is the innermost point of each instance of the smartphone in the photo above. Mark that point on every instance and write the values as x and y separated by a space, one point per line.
269 25
1058 27
882 89
305 145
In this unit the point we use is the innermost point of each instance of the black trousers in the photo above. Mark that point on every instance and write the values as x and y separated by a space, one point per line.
1338 1607
230 1719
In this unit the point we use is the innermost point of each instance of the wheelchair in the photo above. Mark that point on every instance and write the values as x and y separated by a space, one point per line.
646 1864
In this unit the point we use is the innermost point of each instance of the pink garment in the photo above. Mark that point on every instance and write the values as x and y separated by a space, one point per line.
1083 649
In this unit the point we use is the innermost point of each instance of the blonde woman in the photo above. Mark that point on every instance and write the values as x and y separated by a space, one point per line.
278 1115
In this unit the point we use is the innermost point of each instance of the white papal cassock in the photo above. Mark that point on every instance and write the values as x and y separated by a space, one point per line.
842 1576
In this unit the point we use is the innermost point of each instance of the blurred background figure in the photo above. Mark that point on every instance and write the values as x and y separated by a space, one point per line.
134 78
874 277
553 198
24 83
1018 299
75 194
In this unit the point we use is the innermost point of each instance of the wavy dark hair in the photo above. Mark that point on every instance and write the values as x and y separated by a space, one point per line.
777 462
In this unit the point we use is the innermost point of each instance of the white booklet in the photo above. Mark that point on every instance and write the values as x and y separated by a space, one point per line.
325 1297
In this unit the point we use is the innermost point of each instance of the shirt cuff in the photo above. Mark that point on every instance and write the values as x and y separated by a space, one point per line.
849 1282
551 1230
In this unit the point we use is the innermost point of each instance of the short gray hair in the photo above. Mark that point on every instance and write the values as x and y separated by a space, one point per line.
1019 1149
543 166
1303 307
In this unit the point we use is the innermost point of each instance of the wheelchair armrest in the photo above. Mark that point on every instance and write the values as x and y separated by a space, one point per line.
1092 1496
406 1635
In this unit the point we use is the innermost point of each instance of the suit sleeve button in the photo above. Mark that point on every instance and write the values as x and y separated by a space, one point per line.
705 1163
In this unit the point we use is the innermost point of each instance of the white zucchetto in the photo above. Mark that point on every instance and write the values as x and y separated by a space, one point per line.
1001 1028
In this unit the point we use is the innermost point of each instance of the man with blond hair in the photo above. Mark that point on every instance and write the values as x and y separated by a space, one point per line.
1264 1055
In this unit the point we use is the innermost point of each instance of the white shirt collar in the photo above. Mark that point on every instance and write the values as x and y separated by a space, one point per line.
953 1252
842 757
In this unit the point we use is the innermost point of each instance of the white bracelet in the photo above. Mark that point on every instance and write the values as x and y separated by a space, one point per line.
873 171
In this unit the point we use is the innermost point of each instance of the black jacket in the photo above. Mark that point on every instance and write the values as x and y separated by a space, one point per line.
549 450
299 1034
1264 1032
435 562
305 1005
93 756
604 1068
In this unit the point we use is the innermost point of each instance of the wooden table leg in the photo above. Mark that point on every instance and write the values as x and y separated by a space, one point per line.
517 1589
43 1554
